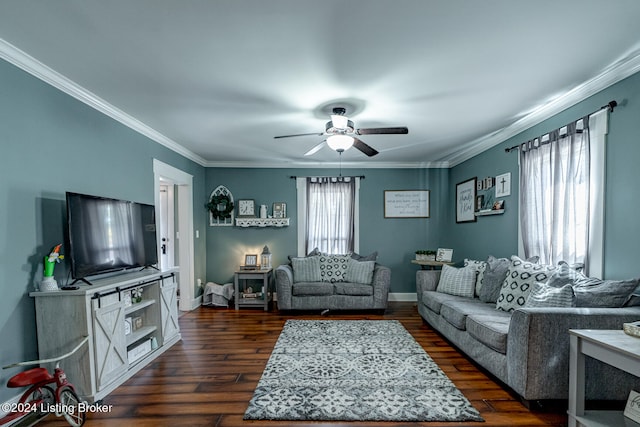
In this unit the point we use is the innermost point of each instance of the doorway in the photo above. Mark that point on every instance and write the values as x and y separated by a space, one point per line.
173 190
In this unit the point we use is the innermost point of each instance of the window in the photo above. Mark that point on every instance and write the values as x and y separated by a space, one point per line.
328 214
560 184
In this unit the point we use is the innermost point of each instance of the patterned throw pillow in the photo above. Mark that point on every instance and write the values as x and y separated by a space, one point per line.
333 267
544 295
520 279
360 271
306 269
479 267
457 281
373 256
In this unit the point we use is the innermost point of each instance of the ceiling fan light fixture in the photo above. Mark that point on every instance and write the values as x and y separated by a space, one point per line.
340 142
339 122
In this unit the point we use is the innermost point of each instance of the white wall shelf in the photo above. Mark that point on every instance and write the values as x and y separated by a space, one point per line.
490 212
262 222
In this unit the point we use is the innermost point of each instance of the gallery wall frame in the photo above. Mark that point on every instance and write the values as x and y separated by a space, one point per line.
466 200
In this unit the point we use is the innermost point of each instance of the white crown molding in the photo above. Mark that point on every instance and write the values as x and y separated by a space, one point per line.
323 165
27 63
616 72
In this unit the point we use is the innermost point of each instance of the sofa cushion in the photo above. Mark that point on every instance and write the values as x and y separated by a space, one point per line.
356 289
455 311
479 267
457 281
490 329
519 281
544 295
311 288
306 269
433 300
494 274
359 271
333 267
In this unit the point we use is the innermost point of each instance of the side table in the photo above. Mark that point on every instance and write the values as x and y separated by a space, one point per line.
430 265
613 347
262 275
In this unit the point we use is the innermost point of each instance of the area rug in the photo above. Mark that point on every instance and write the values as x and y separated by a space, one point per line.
354 370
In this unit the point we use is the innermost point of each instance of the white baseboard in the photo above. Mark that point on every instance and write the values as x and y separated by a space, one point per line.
403 296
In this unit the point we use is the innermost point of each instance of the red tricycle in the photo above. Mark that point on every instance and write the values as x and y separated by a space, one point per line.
41 399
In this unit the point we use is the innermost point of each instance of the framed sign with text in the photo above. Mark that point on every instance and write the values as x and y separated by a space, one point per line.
466 201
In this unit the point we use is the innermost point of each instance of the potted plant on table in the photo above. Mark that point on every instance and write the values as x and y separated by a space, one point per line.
425 255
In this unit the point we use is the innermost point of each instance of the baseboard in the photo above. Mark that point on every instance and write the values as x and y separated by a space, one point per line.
196 302
403 296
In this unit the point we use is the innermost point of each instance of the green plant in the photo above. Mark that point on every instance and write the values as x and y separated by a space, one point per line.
425 252
220 207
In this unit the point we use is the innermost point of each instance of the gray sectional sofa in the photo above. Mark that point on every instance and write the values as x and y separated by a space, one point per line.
527 348
332 282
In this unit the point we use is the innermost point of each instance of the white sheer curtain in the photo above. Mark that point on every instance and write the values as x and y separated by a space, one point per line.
555 195
330 214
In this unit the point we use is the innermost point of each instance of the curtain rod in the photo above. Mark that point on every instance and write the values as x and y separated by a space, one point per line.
611 105
316 176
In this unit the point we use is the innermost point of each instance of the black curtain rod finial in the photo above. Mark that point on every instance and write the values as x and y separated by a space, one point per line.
611 105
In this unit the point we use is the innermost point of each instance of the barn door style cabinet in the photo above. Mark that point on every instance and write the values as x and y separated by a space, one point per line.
130 320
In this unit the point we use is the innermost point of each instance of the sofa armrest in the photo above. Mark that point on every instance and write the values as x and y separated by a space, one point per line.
284 283
426 280
381 283
538 351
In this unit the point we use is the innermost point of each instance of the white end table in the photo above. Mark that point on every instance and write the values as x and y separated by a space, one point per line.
613 347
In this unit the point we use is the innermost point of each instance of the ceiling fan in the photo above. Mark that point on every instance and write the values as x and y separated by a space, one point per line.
342 134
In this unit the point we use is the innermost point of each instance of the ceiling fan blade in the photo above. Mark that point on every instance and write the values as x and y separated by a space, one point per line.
364 147
380 131
315 149
298 134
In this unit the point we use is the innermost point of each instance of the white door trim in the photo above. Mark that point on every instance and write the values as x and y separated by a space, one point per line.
184 232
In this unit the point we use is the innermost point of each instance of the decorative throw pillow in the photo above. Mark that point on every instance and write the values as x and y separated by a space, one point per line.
520 279
371 257
494 274
544 295
306 269
457 281
314 252
563 275
359 271
333 267
593 292
479 267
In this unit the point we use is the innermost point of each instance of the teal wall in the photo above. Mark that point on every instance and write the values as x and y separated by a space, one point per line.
498 235
52 143
395 239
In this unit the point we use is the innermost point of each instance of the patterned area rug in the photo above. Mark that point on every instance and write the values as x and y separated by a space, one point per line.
354 370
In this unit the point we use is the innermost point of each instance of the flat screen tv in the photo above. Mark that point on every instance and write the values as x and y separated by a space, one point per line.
108 235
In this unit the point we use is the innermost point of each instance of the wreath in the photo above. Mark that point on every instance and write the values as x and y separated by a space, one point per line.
220 206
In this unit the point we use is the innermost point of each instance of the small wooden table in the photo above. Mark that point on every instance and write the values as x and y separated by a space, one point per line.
613 347
430 265
264 276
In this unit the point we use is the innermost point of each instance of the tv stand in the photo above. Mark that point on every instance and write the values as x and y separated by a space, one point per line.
125 333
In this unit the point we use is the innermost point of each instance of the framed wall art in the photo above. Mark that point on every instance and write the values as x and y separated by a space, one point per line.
406 203
466 200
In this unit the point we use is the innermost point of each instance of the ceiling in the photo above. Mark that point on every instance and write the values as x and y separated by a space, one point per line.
217 80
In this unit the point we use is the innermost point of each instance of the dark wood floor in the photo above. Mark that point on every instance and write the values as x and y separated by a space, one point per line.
208 378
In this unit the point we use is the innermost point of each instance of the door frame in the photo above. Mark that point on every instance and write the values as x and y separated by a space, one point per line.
184 226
